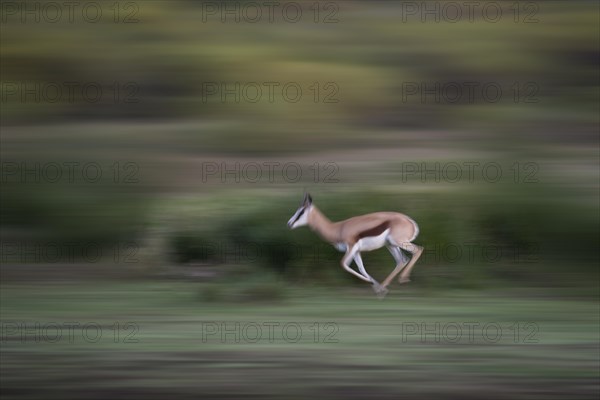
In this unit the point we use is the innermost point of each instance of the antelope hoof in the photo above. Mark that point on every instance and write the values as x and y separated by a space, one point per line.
376 286
380 291
402 280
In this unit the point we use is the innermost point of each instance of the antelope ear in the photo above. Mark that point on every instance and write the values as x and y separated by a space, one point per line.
308 199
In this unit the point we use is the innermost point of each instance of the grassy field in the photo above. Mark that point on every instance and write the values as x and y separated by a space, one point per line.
365 348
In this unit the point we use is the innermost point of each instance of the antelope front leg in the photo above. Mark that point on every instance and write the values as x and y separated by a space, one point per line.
379 290
361 268
346 264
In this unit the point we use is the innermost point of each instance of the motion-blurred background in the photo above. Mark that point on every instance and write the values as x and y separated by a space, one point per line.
153 151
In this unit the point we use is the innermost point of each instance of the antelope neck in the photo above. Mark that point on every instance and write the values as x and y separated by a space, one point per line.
323 226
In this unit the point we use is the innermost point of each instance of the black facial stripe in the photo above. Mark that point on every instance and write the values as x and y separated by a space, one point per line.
299 215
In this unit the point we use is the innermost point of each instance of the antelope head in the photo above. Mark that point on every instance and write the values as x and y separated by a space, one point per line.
300 217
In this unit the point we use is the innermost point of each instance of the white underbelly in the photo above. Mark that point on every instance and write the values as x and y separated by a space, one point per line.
374 242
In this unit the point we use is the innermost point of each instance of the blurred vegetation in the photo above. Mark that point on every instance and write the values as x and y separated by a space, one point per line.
172 126
170 55
549 245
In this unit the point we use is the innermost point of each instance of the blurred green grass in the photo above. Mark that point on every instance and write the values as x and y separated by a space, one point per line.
370 356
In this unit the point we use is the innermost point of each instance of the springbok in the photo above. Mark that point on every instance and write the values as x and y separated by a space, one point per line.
365 233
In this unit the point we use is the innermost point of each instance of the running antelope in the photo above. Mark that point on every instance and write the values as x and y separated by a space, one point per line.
365 233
